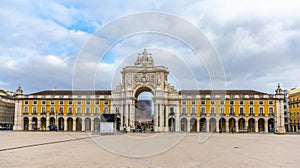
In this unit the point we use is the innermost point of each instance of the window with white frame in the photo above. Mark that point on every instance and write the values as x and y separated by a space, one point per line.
202 110
183 111
193 111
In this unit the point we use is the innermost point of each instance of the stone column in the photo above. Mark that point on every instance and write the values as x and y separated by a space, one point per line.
227 125
207 125
30 124
39 124
167 118
132 117
74 124
92 124
217 126
65 124
155 117
47 122
82 124
198 125
177 119
237 126
246 125
256 125
188 125
266 127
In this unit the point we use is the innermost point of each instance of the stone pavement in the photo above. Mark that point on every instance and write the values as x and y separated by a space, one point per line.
79 149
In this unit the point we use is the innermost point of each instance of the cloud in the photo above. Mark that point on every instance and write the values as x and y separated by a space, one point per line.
257 42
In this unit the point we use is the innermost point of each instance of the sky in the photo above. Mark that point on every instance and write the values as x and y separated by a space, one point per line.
251 44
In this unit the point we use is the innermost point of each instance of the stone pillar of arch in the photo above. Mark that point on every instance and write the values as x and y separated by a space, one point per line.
161 118
188 124
167 118
217 126
198 124
82 124
237 125
266 127
227 125
207 125
39 123
256 125
74 124
246 125
47 121
65 124
177 119
30 124
92 124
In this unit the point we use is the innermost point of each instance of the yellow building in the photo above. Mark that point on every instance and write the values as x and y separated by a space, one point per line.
171 110
294 108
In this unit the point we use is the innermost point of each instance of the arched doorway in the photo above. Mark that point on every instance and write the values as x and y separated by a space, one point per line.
171 124
251 123
78 124
144 110
183 124
212 125
87 124
118 123
261 123
202 125
231 125
26 123
61 123
34 123
97 124
241 123
193 125
222 125
271 127
43 123
52 121
70 124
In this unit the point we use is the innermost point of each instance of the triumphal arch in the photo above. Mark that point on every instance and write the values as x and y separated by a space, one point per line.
144 76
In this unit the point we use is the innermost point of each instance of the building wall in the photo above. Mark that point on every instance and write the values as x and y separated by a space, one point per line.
294 109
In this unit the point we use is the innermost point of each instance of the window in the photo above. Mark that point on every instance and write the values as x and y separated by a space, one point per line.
97 110
70 102
202 110
52 101
241 111
193 102
251 102
261 111
222 102
231 110
43 110
79 102
183 102
26 102
106 102
87 111
251 111
183 111
34 102
105 110
61 110
212 110
70 110
271 111
88 102
222 110
212 102
241 102
26 110
61 102
202 102
270 102
51 110
43 102
231 102
193 111
78 110
97 102
261 102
